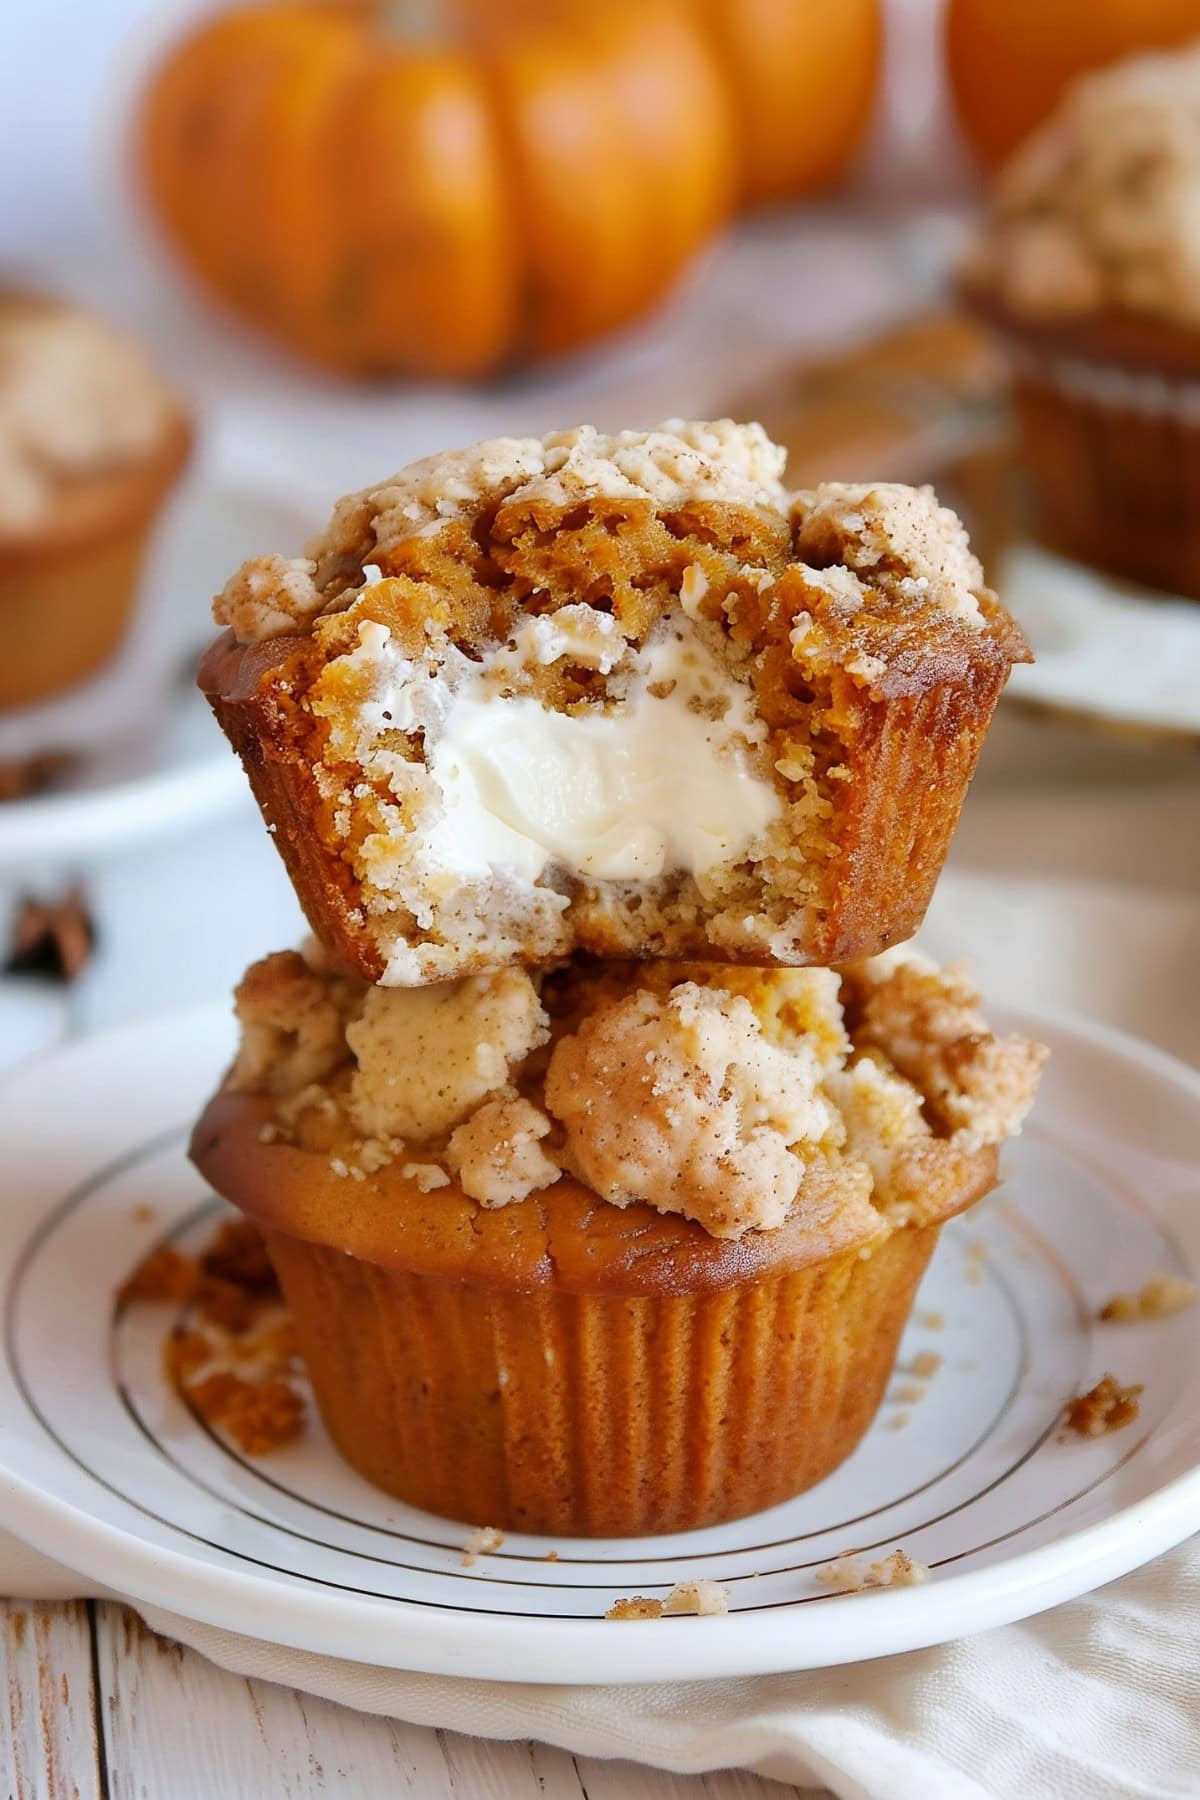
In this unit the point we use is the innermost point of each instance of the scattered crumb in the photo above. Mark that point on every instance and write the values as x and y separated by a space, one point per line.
551 1556
1106 1407
847 1574
637 1607
234 1317
166 1274
707 1599
481 1542
258 1415
223 1303
977 1250
275 1345
1161 1296
932 1321
899 1420
143 1213
238 1253
909 1394
924 1364
186 1354
974 1274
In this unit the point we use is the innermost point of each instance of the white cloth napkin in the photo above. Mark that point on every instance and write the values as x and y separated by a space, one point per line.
1096 1700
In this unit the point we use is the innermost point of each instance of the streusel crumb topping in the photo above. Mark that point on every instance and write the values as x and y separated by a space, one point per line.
1098 208
731 1096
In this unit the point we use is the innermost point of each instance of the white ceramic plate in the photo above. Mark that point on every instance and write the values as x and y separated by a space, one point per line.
1106 652
148 757
106 1470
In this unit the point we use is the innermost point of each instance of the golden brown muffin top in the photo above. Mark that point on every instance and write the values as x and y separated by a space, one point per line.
879 534
78 401
725 1095
1099 209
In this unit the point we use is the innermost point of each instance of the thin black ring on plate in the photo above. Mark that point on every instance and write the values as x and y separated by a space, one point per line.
181 1227
184 1226
252 1469
161 1140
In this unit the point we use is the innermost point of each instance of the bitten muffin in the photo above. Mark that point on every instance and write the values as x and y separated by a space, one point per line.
616 694
607 1250
1089 269
91 443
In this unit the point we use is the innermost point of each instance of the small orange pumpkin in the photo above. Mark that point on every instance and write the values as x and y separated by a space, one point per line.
1009 60
802 75
438 187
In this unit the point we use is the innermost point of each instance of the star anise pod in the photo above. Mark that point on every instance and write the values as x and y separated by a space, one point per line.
52 938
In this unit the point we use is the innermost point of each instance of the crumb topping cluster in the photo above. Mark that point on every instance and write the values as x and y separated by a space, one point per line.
1100 207
483 657
731 1096
77 399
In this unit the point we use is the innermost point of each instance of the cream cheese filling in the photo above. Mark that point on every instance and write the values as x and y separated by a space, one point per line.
661 780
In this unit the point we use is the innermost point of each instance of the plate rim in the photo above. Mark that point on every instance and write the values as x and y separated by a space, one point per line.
574 1651
54 827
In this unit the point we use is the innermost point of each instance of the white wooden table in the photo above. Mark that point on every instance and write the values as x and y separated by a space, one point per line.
95 1705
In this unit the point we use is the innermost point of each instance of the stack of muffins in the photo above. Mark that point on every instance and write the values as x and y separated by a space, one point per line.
599 1138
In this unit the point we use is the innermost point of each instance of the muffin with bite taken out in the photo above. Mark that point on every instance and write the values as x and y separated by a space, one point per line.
617 694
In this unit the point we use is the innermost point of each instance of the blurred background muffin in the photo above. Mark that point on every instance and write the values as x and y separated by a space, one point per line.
1089 268
91 442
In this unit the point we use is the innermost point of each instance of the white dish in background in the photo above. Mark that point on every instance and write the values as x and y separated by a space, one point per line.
106 1470
148 757
1105 651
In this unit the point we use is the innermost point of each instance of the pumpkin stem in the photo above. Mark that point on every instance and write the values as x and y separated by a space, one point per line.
413 21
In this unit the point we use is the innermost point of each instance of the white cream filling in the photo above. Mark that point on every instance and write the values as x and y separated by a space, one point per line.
651 785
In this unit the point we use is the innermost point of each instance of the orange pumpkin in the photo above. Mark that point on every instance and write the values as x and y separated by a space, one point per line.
438 187
802 75
1009 60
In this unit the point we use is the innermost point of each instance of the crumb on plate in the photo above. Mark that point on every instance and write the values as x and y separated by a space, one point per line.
1105 1407
481 1542
1158 1298
706 1599
848 1574
258 1415
232 1354
165 1274
638 1606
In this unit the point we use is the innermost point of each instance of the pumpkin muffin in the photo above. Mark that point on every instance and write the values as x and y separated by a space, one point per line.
616 694
91 443
1089 269
607 1249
